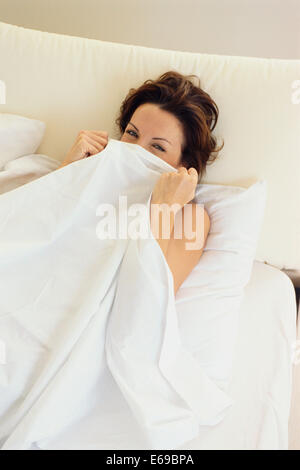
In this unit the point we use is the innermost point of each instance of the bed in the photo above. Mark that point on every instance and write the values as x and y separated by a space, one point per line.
262 382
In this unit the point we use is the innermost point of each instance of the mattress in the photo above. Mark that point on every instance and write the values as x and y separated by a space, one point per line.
262 377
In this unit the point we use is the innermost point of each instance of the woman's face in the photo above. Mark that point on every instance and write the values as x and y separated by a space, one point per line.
157 131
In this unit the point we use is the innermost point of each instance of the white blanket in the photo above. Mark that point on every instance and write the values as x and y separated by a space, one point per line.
24 169
88 326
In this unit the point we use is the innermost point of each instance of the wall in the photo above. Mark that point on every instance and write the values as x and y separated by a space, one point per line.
255 28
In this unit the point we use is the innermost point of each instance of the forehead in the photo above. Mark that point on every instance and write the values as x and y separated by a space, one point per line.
150 115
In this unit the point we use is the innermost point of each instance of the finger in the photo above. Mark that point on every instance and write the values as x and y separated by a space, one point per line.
96 137
91 141
91 150
182 169
193 172
100 133
103 134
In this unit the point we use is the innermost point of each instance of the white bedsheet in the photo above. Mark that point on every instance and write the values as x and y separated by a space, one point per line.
262 380
73 401
89 325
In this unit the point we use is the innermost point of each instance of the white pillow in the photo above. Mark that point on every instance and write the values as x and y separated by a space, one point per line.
19 136
209 299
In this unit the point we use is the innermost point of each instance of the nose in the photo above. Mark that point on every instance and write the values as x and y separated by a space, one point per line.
139 141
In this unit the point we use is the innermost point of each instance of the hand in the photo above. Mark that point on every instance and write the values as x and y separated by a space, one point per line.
87 143
175 187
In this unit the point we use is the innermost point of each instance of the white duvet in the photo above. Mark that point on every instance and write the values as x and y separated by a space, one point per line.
88 326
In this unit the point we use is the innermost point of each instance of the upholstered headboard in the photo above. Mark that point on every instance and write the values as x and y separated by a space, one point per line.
74 83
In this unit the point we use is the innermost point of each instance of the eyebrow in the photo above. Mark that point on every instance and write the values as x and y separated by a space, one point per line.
154 138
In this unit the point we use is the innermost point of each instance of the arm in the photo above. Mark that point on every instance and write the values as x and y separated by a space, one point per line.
87 143
157 229
180 258
62 164
175 190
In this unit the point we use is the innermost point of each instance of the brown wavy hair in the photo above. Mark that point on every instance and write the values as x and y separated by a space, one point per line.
192 106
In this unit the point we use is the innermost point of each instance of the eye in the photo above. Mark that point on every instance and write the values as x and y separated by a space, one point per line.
128 132
160 148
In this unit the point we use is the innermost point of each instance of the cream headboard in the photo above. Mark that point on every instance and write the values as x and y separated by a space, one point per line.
74 83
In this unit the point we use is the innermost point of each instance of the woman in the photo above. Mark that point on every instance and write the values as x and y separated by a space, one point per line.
172 118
